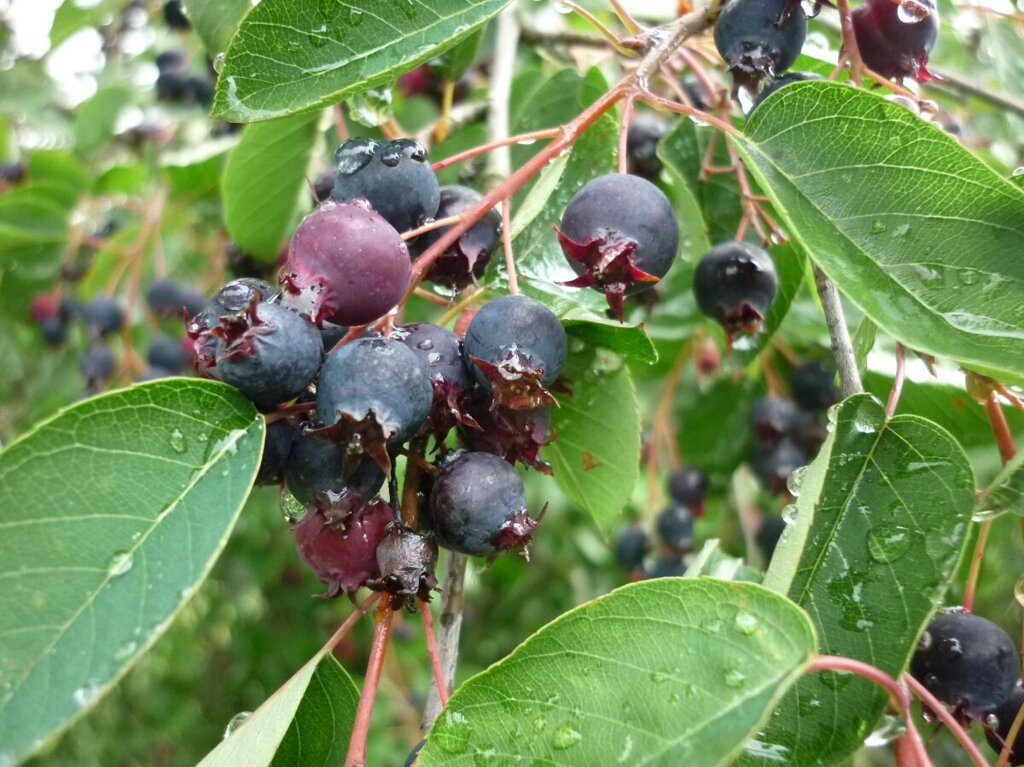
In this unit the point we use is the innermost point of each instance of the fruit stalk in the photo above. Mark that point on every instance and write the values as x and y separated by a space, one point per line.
963 738
356 756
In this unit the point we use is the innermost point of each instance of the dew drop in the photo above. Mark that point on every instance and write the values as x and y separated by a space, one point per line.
913 11
887 543
355 17
565 737
120 563
789 513
796 480
426 345
735 678
354 154
218 62
746 624
452 732
889 729
408 7
878 227
1018 172
125 650
177 441
86 694
236 721
562 8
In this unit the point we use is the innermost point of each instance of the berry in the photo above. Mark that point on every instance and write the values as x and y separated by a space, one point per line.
406 561
775 418
667 567
967 662
735 283
230 300
631 546
346 265
895 38
620 234
698 96
344 558
515 435
103 315
440 352
324 475
331 334
394 177
167 299
773 465
689 487
675 528
172 87
167 353
174 15
372 393
97 364
768 534
171 61
54 330
787 79
758 38
1005 714
268 353
478 506
410 761
465 260
645 131
517 347
277 448
813 385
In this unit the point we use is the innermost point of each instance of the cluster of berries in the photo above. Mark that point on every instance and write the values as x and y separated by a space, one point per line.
175 84
760 39
102 317
971 665
687 489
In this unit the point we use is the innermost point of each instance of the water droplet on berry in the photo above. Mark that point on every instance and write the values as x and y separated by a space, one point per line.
354 154
452 732
789 512
218 62
86 694
796 480
746 624
913 11
236 721
177 441
426 345
735 678
887 543
565 737
120 563
889 729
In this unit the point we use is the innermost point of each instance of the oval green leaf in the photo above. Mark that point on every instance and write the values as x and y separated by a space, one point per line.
307 722
111 514
667 672
882 519
911 226
292 55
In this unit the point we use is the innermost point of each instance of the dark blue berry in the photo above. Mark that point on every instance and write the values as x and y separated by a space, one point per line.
325 475
517 347
277 447
97 364
735 283
758 38
813 385
394 177
768 534
372 393
103 315
645 131
773 465
675 528
440 353
689 487
54 329
465 260
174 15
171 61
631 546
967 662
269 353
667 567
167 298
410 760
167 353
1005 714
775 418
620 234
478 506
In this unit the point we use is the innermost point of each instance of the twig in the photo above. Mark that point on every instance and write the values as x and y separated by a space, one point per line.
451 627
521 138
499 166
955 82
850 48
897 382
842 344
627 20
976 559
430 226
356 756
506 244
606 33
627 115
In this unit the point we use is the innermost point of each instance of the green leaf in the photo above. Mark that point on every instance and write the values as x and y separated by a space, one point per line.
919 234
215 21
667 672
195 171
864 342
308 721
112 513
263 181
33 231
1006 493
58 175
882 519
96 117
712 562
293 55
595 456
456 61
714 431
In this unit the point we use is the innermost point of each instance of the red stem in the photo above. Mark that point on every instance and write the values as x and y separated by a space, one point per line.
484 148
435 656
897 383
1001 429
963 738
356 756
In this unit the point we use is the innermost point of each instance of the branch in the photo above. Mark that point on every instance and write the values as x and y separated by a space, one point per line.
452 601
842 344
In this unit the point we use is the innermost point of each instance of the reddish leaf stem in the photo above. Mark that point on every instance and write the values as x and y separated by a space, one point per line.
1011 739
627 115
476 151
435 656
962 736
356 756
897 383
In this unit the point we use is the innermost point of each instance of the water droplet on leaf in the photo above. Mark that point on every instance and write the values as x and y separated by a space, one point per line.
452 732
565 737
177 441
887 543
236 721
120 563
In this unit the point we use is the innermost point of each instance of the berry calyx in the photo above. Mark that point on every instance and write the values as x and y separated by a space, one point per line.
896 38
465 260
372 393
967 662
620 235
758 38
394 177
478 506
517 347
515 435
325 475
735 283
345 265
440 353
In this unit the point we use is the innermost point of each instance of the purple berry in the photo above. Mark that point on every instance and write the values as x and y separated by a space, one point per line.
689 487
758 38
324 475
465 260
103 315
646 129
894 47
344 558
813 385
97 364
